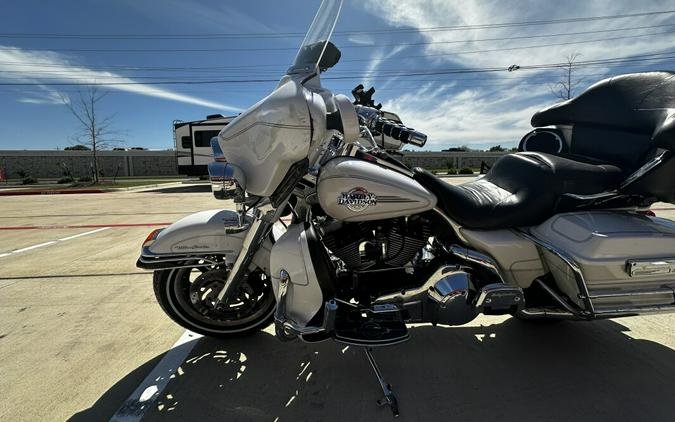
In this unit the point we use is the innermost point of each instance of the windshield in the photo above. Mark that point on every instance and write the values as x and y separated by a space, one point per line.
313 46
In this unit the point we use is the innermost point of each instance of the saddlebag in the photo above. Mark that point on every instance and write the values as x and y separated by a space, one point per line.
611 263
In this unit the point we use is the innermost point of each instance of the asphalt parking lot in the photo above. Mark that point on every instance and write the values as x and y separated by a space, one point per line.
80 333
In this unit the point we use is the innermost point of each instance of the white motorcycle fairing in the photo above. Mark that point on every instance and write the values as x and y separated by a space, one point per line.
271 136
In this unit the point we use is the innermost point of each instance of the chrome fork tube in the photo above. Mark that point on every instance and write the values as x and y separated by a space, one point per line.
263 220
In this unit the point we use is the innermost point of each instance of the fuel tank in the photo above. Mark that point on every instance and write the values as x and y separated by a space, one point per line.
352 189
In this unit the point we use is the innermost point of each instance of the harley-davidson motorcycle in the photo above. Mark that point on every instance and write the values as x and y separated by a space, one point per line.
560 230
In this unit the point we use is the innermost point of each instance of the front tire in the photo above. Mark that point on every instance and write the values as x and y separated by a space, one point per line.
187 296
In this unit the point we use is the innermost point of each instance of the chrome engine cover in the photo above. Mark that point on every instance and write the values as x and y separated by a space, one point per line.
445 298
351 189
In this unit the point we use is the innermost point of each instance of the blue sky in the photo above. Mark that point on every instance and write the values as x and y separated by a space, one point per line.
479 109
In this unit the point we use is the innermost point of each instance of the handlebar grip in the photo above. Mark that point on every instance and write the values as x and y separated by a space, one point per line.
372 118
400 132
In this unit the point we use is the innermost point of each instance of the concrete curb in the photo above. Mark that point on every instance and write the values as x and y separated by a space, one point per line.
142 187
50 192
22 192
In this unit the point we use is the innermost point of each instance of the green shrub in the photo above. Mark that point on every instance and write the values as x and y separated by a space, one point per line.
84 179
65 179
28 180
452 171
465 170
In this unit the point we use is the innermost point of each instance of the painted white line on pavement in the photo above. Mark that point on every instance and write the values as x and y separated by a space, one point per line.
34 247
51 242
83 234
145 395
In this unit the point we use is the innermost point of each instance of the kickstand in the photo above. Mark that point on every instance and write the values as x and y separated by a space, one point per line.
389 398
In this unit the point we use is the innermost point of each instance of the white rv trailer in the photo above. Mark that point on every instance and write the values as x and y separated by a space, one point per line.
192 141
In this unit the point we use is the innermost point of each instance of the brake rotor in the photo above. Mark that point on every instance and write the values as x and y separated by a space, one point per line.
204 292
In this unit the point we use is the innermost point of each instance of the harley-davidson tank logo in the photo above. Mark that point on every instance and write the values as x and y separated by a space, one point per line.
357 199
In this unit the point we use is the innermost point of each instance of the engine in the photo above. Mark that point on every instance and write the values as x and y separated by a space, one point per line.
376 244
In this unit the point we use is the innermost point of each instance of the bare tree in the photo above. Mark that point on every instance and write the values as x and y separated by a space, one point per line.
95 132
565 87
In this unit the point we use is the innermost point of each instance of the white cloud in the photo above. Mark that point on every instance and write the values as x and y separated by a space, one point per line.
361 39
490 109
44 95
469 116
435 13
377 59
25 66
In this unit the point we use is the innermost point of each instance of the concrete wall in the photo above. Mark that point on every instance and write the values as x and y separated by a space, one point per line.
49 164
456 160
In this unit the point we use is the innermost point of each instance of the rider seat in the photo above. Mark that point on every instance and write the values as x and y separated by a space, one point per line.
521 189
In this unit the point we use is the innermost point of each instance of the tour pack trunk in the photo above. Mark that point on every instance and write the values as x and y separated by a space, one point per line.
626 260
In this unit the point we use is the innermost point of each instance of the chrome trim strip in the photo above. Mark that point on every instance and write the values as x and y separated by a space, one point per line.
155 262
567 259
637 310
593 197
635 293
649 166
476 257
558 299
157 259
536 313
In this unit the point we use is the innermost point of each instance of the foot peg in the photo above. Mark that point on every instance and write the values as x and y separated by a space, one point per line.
389 397
381 325
498 298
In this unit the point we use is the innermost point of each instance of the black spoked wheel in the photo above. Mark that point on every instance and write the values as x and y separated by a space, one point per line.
188 296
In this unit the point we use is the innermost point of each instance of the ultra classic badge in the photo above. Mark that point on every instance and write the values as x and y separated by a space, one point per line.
357 199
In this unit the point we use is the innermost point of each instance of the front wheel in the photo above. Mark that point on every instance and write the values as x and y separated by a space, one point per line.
188 296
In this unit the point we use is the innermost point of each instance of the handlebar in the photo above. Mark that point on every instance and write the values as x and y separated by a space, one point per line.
375 122
400 132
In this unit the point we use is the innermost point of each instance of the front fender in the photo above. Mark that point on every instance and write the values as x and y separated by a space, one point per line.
202 234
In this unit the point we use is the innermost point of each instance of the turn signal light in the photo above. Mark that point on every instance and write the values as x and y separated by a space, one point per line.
151 237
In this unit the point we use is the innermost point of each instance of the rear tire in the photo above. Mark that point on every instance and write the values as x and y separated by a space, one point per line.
185 295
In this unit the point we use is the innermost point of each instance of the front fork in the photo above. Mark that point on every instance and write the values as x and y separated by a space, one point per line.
264 218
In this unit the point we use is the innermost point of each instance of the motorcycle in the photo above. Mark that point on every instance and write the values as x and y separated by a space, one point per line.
559 230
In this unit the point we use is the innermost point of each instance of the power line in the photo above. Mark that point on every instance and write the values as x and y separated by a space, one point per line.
618 60
426 82
375 45
65 74
242 67
336 33
453 53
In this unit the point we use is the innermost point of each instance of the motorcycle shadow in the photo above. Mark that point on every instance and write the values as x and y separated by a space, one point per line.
506 371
